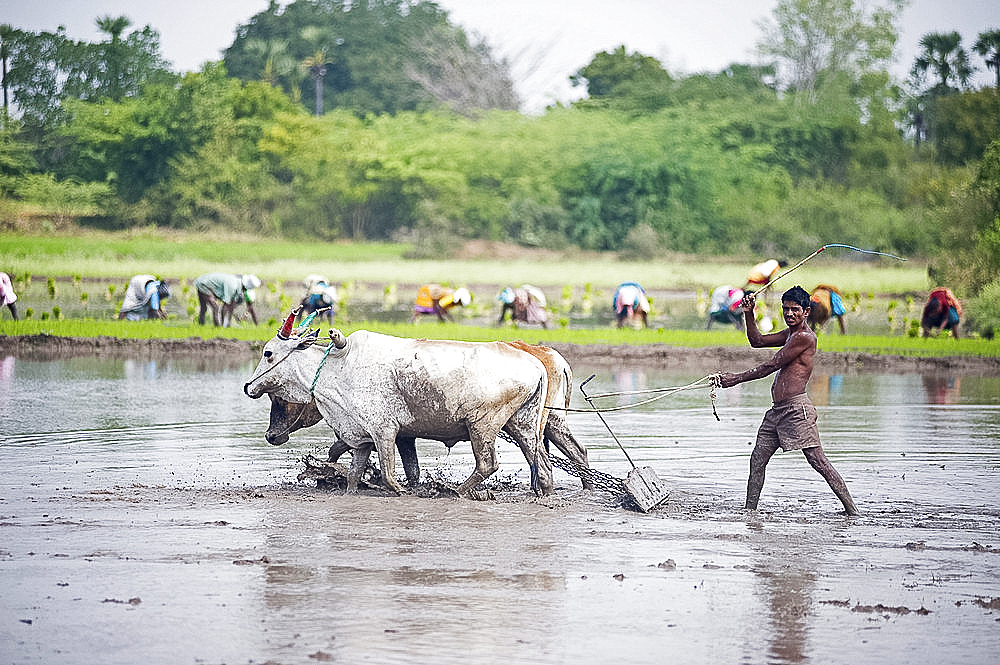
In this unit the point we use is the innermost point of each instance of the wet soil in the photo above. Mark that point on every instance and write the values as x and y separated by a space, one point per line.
175 534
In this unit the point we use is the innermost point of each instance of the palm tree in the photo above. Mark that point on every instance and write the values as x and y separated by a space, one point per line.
316 66
943 54
114 26
988 46
277 62
6 32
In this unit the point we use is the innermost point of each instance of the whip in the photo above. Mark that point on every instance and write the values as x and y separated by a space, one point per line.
817 253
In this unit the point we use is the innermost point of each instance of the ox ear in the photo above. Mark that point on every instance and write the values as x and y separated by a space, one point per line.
308 339
337 338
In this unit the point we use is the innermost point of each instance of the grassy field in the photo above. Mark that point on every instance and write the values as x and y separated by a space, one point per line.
71 285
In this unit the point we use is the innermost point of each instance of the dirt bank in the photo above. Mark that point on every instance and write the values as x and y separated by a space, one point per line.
657 356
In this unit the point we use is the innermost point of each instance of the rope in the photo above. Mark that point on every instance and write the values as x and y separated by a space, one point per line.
712 382
286 358
309 318
319 368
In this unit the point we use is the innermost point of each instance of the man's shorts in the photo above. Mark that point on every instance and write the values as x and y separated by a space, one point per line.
790 424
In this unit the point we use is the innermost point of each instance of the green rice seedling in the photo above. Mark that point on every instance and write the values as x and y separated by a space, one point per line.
50 285
566 301
891 316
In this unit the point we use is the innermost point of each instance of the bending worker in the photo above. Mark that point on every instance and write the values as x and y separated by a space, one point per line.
725 306
526 304
320 295
222 291
7 295
143 298
942 311
826 302
762 273
437 299
631 305
790 423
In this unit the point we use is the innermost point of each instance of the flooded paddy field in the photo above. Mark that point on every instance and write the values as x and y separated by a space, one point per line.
143 518
575 306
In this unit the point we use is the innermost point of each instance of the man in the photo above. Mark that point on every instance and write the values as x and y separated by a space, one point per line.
790 423
143 299
229 290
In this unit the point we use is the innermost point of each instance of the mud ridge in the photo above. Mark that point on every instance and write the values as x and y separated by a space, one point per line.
654 356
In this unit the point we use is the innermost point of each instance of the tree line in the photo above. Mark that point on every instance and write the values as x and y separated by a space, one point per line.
331 119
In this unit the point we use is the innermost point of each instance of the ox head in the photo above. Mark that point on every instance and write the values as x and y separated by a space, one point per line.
287 417
279 370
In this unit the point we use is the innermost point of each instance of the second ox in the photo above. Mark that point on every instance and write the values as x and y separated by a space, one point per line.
373 388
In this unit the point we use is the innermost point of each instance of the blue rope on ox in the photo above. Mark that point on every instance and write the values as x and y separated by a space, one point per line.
312 388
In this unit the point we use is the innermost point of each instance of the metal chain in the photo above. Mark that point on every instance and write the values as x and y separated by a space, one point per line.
602 481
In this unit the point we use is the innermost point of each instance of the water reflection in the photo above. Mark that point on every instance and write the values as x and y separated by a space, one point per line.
825 389
6 381
785 573
942 389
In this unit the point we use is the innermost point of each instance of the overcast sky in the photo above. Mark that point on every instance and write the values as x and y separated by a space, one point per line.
546 40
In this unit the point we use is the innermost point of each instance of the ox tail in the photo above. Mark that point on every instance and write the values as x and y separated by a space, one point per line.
542 396
568 375
541 469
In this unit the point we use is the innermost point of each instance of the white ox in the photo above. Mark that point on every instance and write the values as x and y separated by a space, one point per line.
371 388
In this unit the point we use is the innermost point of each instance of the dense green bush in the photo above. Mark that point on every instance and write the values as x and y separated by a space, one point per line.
983 312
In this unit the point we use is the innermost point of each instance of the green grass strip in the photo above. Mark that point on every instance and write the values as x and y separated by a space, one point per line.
879 345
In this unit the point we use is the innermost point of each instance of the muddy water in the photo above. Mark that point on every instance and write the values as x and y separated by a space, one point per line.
144 519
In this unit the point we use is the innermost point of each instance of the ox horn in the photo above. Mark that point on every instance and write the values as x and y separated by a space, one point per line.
337 338
286 328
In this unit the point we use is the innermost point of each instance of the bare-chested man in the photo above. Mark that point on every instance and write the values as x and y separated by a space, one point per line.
790 423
